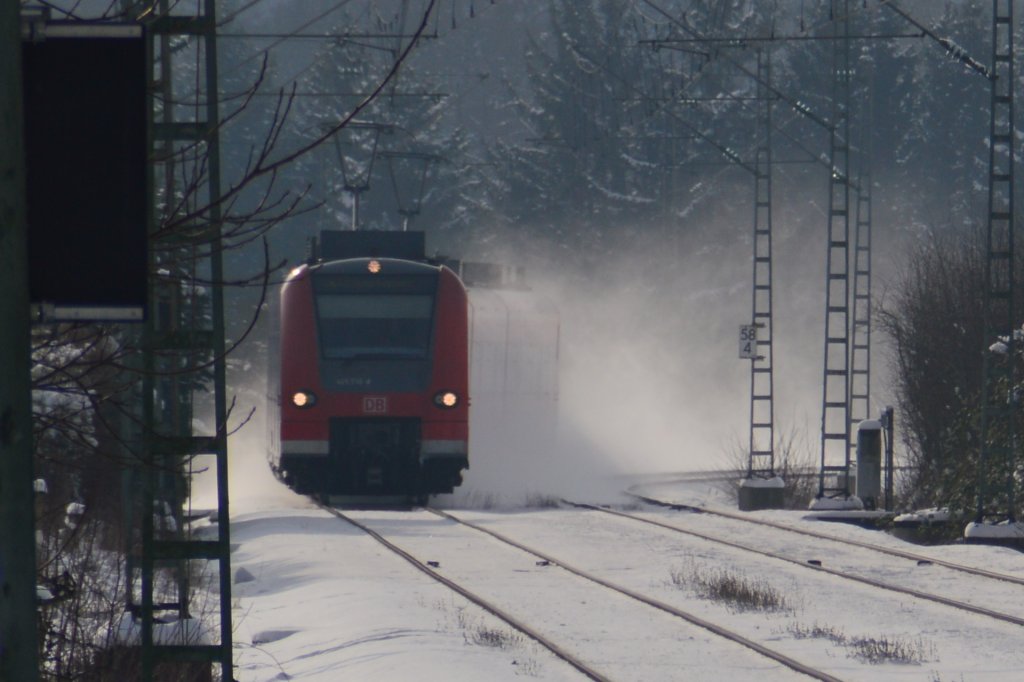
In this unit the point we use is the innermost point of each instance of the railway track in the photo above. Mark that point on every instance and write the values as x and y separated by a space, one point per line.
486 605
633 615
912 556
816 565
820 604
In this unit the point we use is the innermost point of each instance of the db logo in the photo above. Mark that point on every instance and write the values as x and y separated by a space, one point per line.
375 404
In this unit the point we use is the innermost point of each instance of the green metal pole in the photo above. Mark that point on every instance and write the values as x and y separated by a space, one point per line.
18 648
220 362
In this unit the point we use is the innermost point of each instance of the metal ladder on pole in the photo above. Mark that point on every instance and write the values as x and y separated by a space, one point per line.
860 331
183 336
860 356
762 435
833 479
996 485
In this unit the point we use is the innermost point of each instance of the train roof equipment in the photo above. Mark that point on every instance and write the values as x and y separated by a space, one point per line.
341 245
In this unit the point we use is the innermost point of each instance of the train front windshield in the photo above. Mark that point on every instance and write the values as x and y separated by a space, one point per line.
375 326
375 332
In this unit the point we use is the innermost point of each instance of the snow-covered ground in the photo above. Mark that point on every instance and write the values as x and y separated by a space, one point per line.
319 600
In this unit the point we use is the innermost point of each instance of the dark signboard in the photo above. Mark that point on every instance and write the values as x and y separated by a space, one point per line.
86 148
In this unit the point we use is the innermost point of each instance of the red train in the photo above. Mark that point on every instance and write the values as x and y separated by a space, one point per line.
372 391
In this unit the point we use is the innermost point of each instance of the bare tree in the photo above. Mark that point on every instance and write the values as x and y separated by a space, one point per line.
932 315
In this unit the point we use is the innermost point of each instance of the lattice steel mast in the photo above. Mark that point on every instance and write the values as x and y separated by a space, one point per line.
183 336
1000 400
762 413
860 352
833 479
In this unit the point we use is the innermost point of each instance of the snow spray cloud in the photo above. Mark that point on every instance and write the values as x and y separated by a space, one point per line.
252 485
650 370
650 379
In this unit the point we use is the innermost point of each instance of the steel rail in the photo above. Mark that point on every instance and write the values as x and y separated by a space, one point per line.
962 606
663 606
496 611
972 570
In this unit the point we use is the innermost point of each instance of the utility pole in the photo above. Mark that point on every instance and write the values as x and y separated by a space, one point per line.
18 646
181 332
1000 402
834 480
762 489
860 304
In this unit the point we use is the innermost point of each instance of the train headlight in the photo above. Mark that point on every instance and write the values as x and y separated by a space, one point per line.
446 399
304 399
373 266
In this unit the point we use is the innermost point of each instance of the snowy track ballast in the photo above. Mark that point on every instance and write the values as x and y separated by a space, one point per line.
927 596
494 610
655 603
970 570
